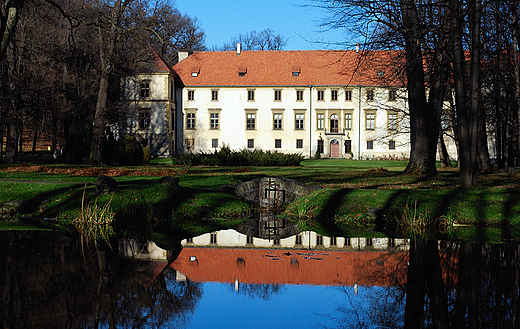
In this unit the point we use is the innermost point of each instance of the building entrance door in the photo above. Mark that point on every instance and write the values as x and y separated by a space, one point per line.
334 149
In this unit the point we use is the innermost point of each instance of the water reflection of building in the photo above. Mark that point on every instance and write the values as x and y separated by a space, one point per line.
304 240
304 258
289 266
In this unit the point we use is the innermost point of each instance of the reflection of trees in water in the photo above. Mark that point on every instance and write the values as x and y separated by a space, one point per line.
263 291
46 282
372 307
165 301
449 285
477 286
382 303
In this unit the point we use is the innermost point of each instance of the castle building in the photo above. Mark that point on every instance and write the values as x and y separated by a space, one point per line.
326 103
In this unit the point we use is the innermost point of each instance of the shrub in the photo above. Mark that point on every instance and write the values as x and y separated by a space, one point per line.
228 157
124 152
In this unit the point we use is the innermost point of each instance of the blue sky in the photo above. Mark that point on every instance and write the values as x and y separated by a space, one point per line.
223 19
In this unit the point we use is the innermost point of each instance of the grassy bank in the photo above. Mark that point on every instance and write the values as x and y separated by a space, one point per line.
358 197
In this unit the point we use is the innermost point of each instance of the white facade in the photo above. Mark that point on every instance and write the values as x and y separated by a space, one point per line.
304 240
368 128
148 101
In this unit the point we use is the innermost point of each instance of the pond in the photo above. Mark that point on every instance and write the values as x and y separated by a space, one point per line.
229 279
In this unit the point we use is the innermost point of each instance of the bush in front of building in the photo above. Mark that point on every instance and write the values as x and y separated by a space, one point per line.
124 152
225 156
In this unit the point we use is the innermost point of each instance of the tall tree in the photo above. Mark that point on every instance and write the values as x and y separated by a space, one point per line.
109 29
420 28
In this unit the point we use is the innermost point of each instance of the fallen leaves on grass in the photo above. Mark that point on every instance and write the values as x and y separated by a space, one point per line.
92 171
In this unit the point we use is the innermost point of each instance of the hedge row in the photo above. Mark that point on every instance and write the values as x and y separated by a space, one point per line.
228 157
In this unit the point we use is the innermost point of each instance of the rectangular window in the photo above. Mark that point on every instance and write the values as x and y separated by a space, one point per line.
370 145
277 121
144 119
320 122
250 143
251 121
392 121
277 95
214 143
277 143
250 240
392 95
214 95
250 95
144 89
333 241
298 121
298 240
370 95
348 121
191 95
348 95
299 143
319 240
321 95
370 121
213 238
333 95
299 95
391 145
213 121
190 120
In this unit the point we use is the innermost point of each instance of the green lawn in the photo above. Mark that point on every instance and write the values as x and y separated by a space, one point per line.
490 211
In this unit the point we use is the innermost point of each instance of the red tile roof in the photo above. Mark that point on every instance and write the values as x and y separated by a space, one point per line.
150 61
275 68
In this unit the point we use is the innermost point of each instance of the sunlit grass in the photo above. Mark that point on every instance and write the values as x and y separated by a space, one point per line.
349 189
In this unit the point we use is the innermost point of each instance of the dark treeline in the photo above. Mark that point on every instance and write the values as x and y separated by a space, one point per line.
60 74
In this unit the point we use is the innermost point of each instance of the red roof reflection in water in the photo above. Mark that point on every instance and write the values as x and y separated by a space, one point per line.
280 266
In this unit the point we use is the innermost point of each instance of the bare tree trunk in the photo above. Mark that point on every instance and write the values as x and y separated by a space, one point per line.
422 152
10 14
482 143
443 153
11 154
107 57
20 137
467 116
516 63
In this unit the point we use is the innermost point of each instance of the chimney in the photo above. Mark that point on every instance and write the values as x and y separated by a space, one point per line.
239 46
181 55
357 47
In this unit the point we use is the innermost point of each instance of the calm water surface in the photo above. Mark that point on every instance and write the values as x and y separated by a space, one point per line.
232 280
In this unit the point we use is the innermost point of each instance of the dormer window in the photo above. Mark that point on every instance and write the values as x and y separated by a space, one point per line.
296 71
242 71
380 74
195 71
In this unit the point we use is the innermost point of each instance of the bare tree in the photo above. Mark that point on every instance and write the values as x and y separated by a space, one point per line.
263 40
420 28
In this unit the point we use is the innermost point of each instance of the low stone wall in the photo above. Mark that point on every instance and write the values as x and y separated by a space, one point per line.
289 189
